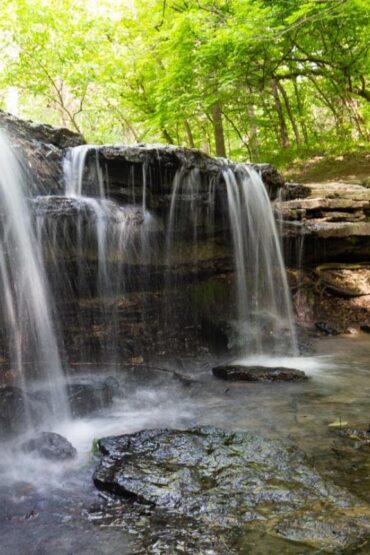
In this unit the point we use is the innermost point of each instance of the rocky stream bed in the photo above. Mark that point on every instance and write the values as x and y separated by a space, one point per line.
189 463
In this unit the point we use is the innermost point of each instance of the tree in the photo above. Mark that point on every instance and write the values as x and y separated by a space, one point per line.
239 78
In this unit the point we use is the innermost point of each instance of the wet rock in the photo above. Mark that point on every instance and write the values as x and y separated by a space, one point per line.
333 532
326 328
87 397
272 179
51 446
13 415
239 372
357 437
217 334
73 208
231 481
41 148
125 168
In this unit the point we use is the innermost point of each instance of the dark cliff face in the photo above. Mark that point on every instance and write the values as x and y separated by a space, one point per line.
157 304
318 226
330 220
41 149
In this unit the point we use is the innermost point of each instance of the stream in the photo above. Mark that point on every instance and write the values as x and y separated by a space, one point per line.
53 508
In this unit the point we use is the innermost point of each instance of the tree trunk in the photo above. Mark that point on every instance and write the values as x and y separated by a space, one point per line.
284 137
290 114
300 111
189 134
218 130
167 136
253 135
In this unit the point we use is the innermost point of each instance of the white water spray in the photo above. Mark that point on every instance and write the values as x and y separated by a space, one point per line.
263 298
24 292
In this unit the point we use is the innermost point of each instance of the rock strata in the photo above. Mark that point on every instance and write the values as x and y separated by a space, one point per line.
41 149
332 218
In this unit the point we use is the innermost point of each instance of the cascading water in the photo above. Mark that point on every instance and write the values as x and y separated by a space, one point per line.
98 249
263 297
25 295
263 318
88 241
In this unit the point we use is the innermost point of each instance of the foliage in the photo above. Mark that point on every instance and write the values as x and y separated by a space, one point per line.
95 447
257 79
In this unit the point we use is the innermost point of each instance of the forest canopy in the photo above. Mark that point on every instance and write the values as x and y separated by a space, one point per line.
247 79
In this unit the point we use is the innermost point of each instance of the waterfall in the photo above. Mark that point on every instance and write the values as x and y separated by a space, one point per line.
263 316
25 296
99 249
263 296
97 237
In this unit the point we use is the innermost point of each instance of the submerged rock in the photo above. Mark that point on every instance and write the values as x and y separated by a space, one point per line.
357 437
51 446
236 372
326 328
231 481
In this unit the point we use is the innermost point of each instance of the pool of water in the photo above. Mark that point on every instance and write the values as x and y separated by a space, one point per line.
44 506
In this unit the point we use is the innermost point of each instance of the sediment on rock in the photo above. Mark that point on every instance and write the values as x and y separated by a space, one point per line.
232 481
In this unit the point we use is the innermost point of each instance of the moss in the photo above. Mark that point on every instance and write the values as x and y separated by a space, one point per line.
207 295
95 450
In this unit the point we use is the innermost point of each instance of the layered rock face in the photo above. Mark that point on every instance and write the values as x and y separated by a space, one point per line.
326 234
175 298
172 271
333 219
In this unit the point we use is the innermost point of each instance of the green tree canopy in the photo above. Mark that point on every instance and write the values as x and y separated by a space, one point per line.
239 78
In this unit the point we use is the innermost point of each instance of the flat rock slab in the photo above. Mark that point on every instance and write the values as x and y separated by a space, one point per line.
232 481
239 372
349 280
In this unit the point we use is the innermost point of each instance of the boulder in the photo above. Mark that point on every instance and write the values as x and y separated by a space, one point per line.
51 446
229 481
348 280
240 372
